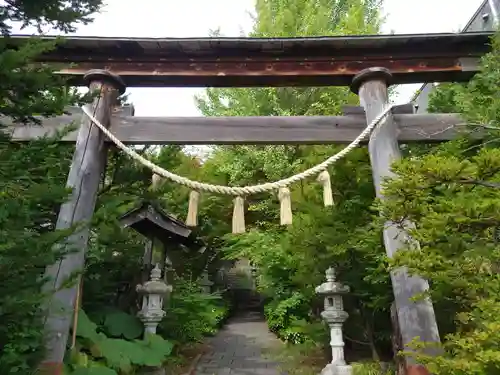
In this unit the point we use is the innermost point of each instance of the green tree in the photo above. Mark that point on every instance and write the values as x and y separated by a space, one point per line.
292 261
32 188
32 177
452 195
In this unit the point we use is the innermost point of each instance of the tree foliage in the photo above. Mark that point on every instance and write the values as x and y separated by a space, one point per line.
450 192
58 14
452 195
32 177
292 261
32 188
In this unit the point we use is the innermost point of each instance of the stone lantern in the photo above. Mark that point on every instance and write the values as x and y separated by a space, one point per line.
153 292
334 315
205 283
253 273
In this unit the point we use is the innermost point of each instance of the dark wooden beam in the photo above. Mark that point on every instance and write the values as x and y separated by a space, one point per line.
249 130
277 72
250 62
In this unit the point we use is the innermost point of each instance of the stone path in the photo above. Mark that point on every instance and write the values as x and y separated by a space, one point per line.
238 349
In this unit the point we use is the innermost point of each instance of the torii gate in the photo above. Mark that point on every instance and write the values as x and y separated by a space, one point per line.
369 64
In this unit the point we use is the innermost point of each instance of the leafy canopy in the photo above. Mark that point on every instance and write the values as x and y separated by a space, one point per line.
451 193
292 261
32 178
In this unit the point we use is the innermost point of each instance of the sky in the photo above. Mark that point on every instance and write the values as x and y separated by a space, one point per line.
195 18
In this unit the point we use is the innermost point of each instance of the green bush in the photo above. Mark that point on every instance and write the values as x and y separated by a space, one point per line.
284 317
192 314
31 189
451 195
371 368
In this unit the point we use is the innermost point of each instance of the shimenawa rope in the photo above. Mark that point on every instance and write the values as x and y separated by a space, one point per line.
245 190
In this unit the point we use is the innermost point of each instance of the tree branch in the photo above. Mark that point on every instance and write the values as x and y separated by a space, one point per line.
494 185
356 341
489 127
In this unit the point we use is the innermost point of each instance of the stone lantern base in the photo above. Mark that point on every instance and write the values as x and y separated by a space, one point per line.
333 369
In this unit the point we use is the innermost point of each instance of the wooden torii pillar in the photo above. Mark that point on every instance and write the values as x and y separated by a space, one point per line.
84 176
416 319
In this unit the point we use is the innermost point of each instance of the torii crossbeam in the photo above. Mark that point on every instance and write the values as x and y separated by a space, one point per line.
425 128
250 62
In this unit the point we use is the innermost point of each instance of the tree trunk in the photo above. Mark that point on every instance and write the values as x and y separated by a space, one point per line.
371 341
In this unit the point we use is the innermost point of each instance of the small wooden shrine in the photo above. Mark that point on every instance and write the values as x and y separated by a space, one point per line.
174 242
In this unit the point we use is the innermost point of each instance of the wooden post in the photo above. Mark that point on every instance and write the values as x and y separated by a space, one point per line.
416 319
147 260
84 177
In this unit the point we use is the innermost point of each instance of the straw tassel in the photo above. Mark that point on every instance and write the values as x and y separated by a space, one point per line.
157 181
192 216
286 206
324 178
239 215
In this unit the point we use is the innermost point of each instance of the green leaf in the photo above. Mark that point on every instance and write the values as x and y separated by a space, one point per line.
118 353
159 344
156 350
86 328
121 324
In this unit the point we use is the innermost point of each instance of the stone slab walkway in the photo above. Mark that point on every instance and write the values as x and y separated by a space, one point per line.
239 348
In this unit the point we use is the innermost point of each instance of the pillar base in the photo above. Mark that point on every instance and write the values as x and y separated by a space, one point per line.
371 74
51 368
417 370
332 369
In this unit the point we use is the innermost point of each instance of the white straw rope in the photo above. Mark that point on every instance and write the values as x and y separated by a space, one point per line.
244 190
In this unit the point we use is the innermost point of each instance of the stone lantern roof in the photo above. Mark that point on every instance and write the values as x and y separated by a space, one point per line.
331 287
155 285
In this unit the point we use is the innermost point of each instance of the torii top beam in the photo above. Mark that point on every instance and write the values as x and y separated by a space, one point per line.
246 62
